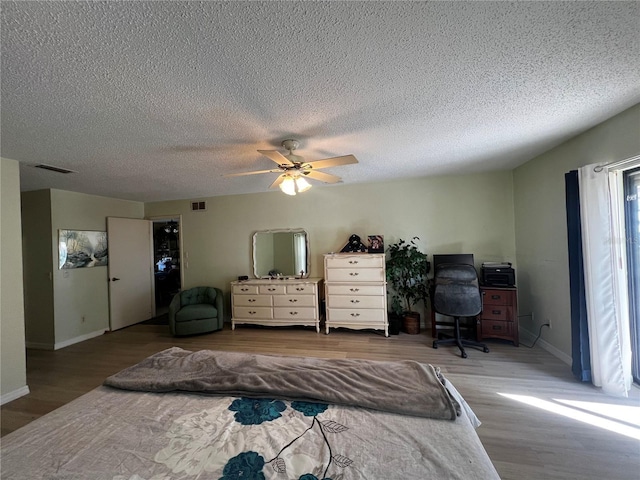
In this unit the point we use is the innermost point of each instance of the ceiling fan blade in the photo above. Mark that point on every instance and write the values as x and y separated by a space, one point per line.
277 181
251 173
276 156
333 162
322 177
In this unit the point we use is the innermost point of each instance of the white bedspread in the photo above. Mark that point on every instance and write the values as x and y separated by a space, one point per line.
116 434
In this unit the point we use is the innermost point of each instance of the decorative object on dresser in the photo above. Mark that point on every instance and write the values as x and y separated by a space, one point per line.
355 289
406 270
376 244
499 317
354 245
276 302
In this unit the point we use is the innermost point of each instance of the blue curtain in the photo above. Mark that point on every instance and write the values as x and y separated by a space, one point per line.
632 220
581 366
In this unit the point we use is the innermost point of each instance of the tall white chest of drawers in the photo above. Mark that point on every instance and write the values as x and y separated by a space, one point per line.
356 291
276 302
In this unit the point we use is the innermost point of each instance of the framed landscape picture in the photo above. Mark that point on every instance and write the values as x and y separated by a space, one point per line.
82 248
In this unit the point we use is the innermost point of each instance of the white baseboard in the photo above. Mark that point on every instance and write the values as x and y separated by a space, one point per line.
79 339
38 346
11 396
66 343
530 337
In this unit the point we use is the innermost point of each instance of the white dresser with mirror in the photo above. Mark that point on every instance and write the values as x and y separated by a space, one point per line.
280 292
356 292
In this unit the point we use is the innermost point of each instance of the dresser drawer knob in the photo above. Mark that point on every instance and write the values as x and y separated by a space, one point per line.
244 289
355 301
355 314
293 300
496 312
252 313
271 289
353 274
495 297
251 300
496 327
353 262
293 313
300 289
354 289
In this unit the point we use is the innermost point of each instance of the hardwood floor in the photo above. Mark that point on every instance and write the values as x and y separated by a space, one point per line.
523 441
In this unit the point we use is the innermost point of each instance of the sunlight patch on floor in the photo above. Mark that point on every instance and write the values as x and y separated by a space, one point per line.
624 420
622 413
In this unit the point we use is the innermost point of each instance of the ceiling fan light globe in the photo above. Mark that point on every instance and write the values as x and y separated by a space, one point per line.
302 185
288 186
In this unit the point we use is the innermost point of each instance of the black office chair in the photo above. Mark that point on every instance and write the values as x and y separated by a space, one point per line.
456 294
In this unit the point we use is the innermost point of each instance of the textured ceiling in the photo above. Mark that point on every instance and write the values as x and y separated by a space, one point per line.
157 100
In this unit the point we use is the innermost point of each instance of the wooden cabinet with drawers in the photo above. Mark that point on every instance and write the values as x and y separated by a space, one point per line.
356 293
276 302
499 317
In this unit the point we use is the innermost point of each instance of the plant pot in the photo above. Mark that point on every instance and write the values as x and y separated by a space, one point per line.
411 323
395 322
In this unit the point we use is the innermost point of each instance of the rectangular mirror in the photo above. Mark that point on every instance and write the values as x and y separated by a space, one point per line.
281 253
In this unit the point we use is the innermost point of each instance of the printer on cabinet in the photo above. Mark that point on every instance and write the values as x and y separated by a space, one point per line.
496 274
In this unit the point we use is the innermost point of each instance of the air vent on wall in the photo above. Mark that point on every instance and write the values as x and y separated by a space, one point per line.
196 206
54 169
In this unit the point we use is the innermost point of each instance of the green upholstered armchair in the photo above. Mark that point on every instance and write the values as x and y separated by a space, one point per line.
196 310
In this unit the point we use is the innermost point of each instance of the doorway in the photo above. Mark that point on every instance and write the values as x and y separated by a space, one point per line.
167 261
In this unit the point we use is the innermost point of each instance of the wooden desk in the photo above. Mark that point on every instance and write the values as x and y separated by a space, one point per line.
499 317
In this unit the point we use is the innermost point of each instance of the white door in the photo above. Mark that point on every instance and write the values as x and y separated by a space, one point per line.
131 298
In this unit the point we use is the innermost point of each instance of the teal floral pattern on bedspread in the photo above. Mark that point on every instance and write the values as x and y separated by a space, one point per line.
254 411
256 439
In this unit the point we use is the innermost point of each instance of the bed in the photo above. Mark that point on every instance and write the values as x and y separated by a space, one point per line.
228 415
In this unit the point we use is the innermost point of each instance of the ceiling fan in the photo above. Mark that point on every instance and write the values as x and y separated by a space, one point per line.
293 169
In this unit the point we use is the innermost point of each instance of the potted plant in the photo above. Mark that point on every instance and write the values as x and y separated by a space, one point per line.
407 268
395 315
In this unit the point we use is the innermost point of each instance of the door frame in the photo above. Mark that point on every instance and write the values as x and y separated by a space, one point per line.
163 219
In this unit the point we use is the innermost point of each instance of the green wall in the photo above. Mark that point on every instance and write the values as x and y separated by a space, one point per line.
37 261
75 302
541 229
450 214
13 377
